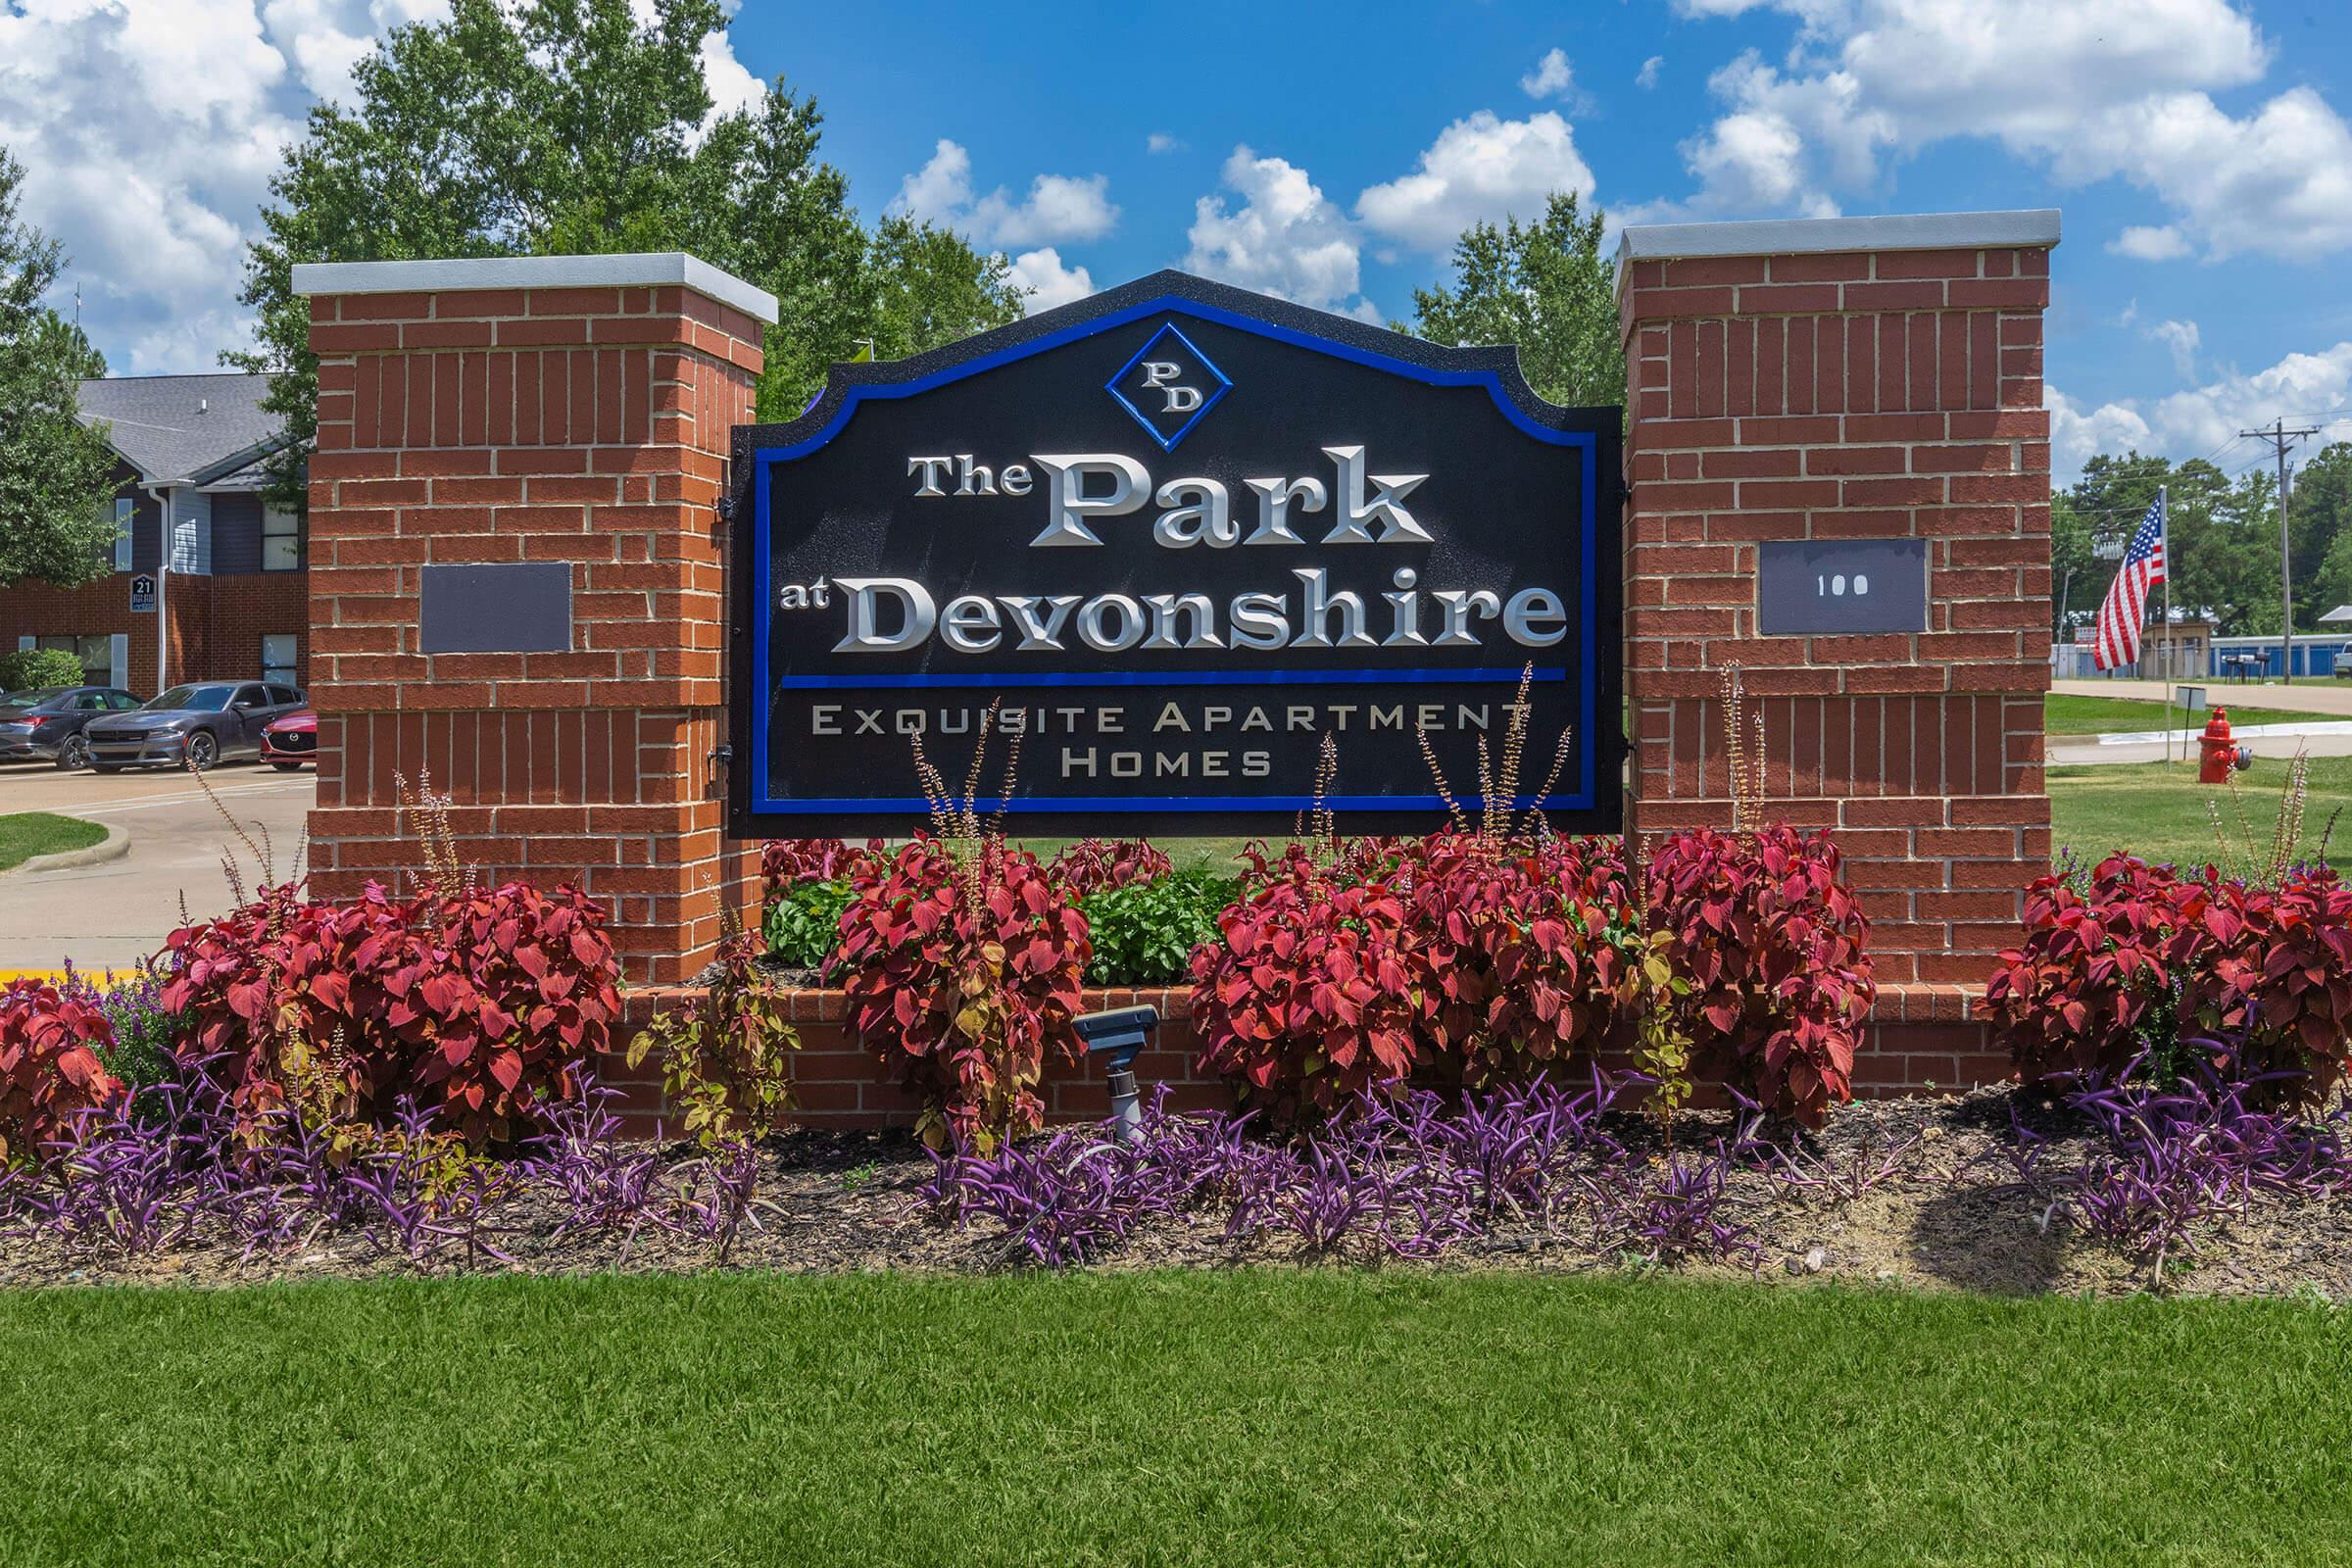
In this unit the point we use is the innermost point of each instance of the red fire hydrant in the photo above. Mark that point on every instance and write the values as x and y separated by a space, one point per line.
2220 752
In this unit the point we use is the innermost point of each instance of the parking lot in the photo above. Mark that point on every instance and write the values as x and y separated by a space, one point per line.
118 911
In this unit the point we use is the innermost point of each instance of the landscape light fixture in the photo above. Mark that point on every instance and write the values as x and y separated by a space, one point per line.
1116 1036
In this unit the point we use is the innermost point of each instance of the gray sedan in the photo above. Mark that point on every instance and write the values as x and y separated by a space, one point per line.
47 723
190 726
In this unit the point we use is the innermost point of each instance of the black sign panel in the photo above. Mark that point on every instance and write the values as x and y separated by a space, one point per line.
1831 587
1175 534
499 607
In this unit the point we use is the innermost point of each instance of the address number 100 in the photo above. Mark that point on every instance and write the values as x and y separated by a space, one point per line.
1839 585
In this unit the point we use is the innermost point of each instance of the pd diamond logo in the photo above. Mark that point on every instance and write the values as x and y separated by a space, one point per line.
1169 386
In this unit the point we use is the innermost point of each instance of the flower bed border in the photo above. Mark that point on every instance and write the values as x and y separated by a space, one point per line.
1919 1039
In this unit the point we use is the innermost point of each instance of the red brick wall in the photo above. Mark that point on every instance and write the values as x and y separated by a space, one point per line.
1888 394
841 1081
216 623
587 425
217 629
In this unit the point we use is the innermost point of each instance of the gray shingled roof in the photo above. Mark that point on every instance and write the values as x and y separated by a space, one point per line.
181 427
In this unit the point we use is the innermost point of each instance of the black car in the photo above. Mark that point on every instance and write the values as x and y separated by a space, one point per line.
191 726
47 724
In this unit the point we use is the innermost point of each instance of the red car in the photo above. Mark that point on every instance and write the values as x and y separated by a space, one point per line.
289 742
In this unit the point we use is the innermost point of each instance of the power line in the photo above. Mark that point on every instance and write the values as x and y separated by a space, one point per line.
2279 435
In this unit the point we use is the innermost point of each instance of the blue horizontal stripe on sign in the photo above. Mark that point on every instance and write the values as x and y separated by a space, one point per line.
1195 677
1186 803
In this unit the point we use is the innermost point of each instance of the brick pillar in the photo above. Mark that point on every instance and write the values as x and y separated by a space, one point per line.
557 408
1851 378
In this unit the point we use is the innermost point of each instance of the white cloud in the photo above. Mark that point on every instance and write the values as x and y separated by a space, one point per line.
2203 421
941 188
1648 76
2078 435
2150 244
1048 280
1057 207
2180 337
1482 168
1285 238
1552 77
1159 141
148 130
2096 90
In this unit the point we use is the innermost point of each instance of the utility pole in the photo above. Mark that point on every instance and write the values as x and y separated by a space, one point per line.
2279 435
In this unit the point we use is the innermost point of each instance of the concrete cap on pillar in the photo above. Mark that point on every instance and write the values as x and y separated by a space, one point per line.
2033 228
650 270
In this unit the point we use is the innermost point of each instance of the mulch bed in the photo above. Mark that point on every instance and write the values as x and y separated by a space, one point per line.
1949 1216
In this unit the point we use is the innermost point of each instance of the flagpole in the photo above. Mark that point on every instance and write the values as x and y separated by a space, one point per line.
2164 532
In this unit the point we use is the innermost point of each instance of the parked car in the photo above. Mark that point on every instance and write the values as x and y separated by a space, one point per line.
289 742
193 726
47 723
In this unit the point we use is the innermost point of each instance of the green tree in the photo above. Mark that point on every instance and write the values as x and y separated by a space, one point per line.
2076 578
56 473
1544 286
2319 520
569 127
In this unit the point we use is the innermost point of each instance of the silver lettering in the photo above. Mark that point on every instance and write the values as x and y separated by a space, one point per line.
864 635
1068 473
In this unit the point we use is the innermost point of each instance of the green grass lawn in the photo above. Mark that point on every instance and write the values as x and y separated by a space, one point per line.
1334 1417
2157 810
26 834
2063 714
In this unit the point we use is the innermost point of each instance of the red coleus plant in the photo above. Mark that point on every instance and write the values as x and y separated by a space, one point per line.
1093 866
1308 999
1771 945
967 975
480 1005
785 861
2272 966
2126 965
51 1067
1518 951
2078 993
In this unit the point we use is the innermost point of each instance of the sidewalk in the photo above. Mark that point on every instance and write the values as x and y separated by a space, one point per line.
2078 751
2322 696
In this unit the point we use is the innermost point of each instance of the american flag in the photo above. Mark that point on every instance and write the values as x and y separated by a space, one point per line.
2127 603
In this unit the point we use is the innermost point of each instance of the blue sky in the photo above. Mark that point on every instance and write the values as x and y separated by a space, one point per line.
2199 148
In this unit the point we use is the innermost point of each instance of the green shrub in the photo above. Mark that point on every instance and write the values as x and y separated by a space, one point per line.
26 668
803 925
1145 933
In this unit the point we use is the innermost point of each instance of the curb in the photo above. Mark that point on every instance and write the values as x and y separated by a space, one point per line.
115 846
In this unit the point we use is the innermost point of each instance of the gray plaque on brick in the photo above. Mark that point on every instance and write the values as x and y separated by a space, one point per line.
517 608
1828 587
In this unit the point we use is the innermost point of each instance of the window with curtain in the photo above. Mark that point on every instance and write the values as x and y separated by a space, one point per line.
281 539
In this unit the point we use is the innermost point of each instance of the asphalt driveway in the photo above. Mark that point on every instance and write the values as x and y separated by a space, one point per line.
118 911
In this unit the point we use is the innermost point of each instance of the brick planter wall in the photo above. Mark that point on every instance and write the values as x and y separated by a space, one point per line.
1853 378
842 1081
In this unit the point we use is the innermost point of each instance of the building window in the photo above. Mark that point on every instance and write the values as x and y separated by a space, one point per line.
123 513
97 656
278 657
281 540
